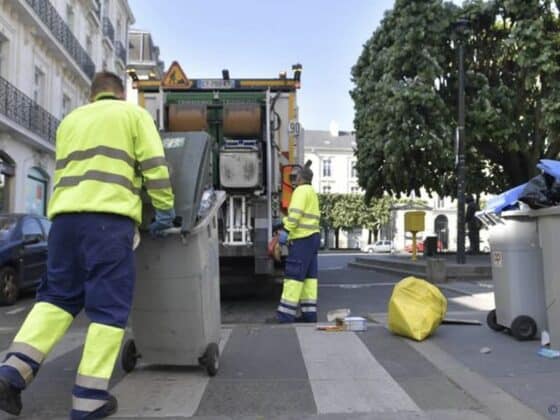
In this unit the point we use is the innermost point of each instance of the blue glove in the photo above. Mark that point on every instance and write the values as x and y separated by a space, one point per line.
277 225
164 220
282 237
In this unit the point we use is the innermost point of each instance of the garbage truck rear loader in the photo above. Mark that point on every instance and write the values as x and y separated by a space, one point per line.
256 144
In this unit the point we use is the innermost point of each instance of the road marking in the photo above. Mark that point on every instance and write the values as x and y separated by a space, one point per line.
16 310
346 378
478 301
332 268
69 343
357 285
163 392
499 403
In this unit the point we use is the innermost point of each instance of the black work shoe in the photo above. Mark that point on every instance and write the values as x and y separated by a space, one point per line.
106 410
10 398
275 320
302 320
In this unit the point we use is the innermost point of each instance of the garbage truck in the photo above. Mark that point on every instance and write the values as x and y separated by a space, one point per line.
256 146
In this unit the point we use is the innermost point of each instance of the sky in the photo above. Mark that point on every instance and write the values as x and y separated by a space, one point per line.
260 38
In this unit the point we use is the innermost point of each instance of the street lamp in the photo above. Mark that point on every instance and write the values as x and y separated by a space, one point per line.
460 28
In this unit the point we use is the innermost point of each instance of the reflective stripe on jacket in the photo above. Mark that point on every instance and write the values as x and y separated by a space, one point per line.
303 214
105 152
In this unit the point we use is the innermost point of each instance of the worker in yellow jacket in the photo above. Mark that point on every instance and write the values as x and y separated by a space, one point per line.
106 152
302 225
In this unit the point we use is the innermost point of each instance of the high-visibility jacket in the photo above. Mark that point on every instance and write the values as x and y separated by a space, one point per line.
105 152
303 214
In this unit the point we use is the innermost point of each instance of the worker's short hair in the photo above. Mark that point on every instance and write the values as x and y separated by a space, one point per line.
105 81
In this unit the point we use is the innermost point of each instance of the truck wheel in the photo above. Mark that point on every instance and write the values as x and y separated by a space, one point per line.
524 328
9 288
211 359
492 321
129 356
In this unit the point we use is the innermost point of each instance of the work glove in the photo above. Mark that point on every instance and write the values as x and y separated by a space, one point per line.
163 221
282 237
277 225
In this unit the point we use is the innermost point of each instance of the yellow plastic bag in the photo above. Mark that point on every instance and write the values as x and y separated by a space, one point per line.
416 308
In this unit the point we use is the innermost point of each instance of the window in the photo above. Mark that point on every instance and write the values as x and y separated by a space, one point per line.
326 167
119 29
353 170
31 227
39 86
326 189
354 190
440 202
3 56
89 46
70 17
66 105
36 192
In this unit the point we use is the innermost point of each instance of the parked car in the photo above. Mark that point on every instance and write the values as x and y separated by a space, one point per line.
379 246
420 246
23 253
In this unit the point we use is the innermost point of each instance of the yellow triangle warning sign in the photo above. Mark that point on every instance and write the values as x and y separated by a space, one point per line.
175 78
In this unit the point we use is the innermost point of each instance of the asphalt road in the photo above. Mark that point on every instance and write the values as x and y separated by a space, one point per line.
286 372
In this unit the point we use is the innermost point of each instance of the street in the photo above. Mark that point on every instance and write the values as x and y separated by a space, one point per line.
296 372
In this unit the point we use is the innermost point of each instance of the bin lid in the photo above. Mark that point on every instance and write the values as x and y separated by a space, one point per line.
188 157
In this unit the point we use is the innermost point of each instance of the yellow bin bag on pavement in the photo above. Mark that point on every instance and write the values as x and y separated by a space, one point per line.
416 308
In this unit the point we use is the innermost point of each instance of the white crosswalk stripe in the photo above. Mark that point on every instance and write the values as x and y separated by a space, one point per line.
346 378
163 392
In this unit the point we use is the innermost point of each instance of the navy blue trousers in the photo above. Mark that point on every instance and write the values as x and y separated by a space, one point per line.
91 266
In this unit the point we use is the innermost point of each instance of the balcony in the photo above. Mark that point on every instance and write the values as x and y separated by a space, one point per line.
120 51
22 110
108 29
62 33
95 11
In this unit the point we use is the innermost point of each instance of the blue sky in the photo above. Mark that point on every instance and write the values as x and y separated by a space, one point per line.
260 38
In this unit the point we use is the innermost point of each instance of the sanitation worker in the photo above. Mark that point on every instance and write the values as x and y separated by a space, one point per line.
106 151
302 225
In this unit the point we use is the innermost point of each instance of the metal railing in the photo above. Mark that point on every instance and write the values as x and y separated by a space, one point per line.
121 51
108 29
97 8
24 111
60 30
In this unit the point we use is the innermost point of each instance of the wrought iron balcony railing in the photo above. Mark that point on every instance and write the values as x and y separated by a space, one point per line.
121 51
60 30
24 111
108 29
97 8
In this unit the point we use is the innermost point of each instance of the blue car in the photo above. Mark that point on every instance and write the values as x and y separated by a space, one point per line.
23 253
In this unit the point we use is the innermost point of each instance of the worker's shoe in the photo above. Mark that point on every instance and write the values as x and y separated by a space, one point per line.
106 410
303 320
275 320
10 398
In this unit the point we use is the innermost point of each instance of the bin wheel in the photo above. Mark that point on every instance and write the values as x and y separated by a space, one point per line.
524 328
129 356
492 321
211 359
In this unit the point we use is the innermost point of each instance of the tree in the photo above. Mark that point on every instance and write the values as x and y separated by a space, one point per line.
405 96
347 213
376 215
327 203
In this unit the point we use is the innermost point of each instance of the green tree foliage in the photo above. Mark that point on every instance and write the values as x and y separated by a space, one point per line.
406 96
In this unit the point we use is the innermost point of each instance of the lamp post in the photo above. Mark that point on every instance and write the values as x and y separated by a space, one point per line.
460 27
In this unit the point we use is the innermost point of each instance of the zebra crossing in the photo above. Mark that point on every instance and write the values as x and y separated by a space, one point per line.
266 372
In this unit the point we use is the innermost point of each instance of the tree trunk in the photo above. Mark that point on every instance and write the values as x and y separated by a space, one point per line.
375 234
370 235
336 232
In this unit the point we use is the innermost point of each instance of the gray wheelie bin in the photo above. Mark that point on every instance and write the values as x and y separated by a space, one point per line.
517 275
175 316
549 235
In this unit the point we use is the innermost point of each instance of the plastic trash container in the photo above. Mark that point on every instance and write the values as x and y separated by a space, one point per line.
430 246
517 275
549 234
176 316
